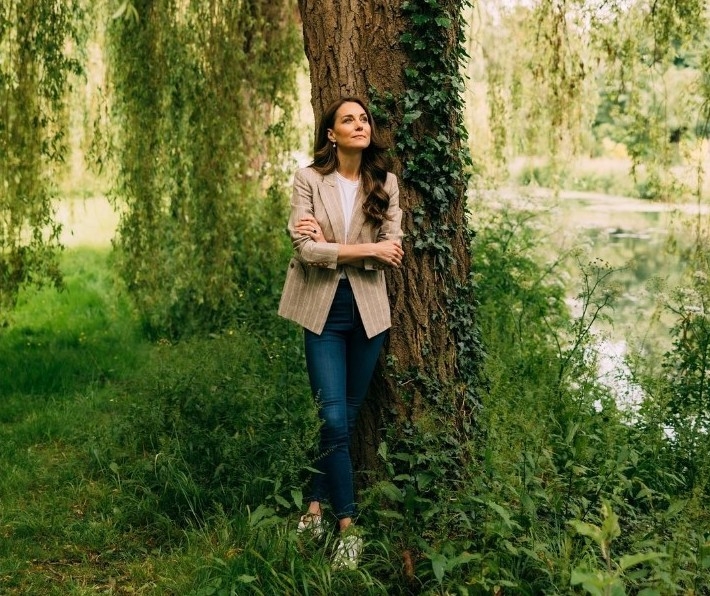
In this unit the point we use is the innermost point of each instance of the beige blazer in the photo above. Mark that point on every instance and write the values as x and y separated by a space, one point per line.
313 272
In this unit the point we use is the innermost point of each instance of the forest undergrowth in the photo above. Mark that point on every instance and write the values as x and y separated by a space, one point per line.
131 466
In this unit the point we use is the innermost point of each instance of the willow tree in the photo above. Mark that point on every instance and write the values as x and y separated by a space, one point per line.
37 41
562 80
405 56
201 96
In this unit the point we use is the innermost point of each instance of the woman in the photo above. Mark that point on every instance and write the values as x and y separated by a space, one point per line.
345 225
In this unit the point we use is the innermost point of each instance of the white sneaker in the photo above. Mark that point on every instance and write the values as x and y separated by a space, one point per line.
311 523
347 552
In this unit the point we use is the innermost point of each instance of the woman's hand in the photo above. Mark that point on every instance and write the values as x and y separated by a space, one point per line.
389 252
309 226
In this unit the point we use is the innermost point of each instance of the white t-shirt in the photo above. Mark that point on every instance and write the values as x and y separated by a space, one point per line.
348 194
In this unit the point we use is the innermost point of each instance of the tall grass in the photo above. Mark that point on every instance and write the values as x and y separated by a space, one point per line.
59 362
179 468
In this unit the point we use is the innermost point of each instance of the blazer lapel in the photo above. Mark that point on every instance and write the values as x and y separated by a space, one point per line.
330 196
358 217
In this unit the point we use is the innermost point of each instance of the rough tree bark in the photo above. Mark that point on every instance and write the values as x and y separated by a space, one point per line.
353 47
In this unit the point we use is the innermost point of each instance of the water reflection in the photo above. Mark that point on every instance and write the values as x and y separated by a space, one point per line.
644 245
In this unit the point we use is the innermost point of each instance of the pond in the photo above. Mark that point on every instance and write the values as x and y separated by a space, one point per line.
644 243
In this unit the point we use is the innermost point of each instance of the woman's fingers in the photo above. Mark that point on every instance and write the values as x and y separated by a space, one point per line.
391 253
308 226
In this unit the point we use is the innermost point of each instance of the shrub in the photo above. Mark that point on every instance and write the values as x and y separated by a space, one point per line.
226 420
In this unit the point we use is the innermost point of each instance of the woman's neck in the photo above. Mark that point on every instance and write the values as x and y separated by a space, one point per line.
349 165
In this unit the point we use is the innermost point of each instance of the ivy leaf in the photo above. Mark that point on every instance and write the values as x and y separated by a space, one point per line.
410 117
420 19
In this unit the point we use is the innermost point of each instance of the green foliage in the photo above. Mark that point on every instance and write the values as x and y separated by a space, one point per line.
563 79
676 406
535 70
272 559
83 336
180 469
203 98
559 460
557 447
226 420
608 581
423 463
186 478
431 142
435 165
35 62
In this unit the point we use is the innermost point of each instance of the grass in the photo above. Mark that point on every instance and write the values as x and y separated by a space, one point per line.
61 364
84 335
135 468
81 512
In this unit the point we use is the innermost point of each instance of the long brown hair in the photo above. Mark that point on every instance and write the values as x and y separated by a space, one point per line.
374 166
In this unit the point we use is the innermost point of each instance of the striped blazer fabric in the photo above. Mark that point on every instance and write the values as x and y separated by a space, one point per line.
313 272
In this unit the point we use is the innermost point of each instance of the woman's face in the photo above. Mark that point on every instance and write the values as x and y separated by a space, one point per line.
351 128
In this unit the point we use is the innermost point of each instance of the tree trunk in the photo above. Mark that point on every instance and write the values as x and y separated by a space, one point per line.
354 48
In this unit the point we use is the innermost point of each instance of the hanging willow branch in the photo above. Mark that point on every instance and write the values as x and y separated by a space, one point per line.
203 94
564 76
36 37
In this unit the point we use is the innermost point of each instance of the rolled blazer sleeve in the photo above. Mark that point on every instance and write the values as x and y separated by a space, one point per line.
308 251
391 228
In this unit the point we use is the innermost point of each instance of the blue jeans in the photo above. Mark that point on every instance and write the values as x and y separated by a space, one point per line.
340 364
